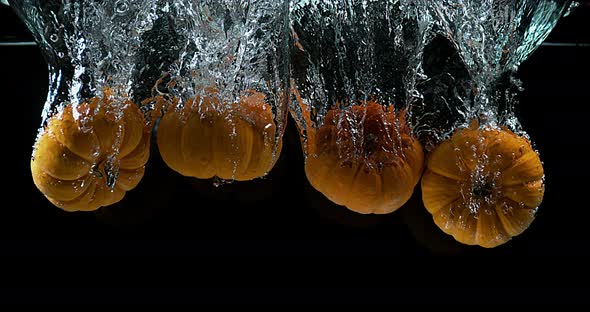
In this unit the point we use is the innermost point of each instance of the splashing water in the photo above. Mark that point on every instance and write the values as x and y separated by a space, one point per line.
88 45
91 49
226 50
346 53
488 40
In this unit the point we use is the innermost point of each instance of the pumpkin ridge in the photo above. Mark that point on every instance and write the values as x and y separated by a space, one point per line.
457 200
83 193
357 171
122 155
379 181
463 168
489 149
183 137
443 219
58 178
63 149
437 162
170 124
321 179
477 228
64 126
495 227
448 176
455 220
324 174
501 217
125 173
306 164
49 131
520 227
39 175
142 147
468 236
132 119
73 204
250 149
521 160
102 118
509 195
461 161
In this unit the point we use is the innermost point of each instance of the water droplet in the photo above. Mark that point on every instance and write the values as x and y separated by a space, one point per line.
54 37
60 54
217 182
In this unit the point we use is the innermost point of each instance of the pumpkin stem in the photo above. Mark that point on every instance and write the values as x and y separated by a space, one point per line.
483 188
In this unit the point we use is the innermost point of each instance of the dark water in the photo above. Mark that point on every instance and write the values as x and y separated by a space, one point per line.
279 234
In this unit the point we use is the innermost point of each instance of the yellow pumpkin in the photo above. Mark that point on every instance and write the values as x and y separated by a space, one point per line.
207 138
483 185
374 172
74 154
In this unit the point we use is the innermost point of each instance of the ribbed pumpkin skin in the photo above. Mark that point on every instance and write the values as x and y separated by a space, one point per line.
75 149
377 175
202 140
482 185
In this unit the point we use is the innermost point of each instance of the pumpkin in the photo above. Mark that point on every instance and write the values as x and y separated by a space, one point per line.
206 138
77 153
483 185
364 158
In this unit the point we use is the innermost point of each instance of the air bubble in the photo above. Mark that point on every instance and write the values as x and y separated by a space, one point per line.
121 7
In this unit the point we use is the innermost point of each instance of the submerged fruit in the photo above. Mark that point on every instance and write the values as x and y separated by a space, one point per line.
364 158
208 138
90 154
482 185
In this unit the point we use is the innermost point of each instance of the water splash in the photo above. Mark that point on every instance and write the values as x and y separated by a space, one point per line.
91 49
488 41
227 50
350 52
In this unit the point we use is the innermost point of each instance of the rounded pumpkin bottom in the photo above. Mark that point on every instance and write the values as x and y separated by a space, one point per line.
205 138
483 185
375 174
74 162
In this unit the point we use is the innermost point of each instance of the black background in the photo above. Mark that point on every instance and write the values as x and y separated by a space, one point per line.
279 238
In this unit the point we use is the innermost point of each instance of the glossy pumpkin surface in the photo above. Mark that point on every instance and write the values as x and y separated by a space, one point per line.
90 154
207 137
364 158
482 185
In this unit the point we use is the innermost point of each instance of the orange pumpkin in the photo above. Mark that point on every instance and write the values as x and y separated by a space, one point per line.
483 185
371 169
74 155
207 138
